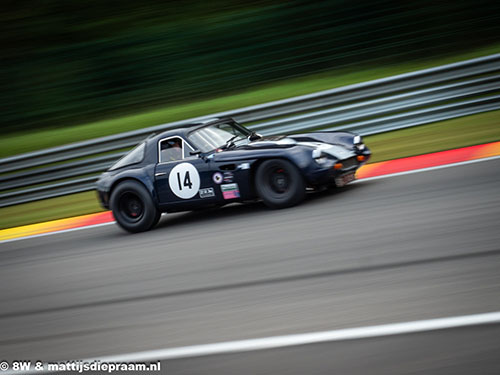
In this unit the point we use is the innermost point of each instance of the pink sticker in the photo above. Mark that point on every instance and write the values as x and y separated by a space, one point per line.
230 191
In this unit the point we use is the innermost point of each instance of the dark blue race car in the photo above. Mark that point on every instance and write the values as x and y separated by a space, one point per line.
218 162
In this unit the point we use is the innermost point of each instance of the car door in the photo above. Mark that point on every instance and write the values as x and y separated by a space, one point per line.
182 180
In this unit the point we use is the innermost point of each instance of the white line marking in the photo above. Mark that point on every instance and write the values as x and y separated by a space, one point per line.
303 339
357 181
312 338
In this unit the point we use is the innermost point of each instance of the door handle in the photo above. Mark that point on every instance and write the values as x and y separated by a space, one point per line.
160 174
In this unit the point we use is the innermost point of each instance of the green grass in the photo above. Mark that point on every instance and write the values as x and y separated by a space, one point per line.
16 143
49 209
461 132
445 135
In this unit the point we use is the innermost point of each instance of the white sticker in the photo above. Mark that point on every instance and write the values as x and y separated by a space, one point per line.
184 180
207 192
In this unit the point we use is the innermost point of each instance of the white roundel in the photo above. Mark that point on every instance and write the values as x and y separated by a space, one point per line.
184 180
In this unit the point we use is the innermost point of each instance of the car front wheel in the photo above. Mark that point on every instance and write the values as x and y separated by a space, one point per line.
133 207
279 183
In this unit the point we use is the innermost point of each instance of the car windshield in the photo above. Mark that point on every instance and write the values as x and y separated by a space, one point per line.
215 136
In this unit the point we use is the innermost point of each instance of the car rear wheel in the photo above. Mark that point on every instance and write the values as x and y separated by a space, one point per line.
279 183
133 207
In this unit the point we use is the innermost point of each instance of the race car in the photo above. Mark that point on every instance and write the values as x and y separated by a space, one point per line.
219 161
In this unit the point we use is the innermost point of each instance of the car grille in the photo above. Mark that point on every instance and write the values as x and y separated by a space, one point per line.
349 163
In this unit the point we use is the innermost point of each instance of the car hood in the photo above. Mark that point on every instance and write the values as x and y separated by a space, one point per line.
334 146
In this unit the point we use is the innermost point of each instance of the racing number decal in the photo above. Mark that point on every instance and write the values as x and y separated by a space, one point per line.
187 180
184 180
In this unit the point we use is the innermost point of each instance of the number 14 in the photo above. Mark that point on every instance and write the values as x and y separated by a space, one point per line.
187 181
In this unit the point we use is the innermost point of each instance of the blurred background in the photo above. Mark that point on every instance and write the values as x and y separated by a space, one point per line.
66 62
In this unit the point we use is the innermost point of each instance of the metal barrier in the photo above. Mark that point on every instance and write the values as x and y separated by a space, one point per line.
396 102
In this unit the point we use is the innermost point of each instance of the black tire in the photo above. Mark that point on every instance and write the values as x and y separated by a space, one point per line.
133 207
279 183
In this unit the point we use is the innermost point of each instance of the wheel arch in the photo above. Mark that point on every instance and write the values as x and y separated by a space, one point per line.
134 179
295 191
255 166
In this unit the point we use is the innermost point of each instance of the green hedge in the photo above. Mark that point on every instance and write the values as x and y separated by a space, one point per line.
70 62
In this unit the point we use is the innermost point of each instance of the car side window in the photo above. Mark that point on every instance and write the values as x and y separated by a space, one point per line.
171 149
187 151
174 149
134 156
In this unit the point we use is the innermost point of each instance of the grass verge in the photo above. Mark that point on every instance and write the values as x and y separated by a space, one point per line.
49 209
461 132
16 143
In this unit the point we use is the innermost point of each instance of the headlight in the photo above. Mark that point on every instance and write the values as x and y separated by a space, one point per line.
358 143
324 160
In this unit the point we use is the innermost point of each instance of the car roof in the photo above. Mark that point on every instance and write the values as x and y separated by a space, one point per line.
184 129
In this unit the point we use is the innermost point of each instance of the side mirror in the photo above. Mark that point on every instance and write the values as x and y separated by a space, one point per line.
254 136
200 154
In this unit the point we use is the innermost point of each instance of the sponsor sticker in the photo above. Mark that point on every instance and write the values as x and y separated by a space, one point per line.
228 177
218 178
230 191
207 192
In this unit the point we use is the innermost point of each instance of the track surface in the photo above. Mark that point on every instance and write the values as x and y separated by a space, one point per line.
405 248
467 351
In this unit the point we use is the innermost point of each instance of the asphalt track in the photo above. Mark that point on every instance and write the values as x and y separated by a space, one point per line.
404 248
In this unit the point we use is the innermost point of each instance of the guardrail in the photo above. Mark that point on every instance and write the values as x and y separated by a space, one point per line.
396 102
